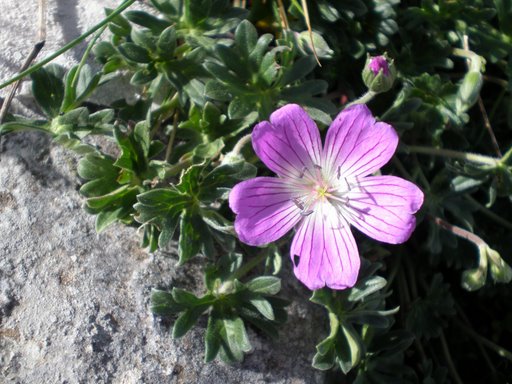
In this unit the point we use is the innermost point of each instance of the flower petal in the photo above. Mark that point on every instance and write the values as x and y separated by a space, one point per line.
356 145
289 142
382 207
265 210
326 250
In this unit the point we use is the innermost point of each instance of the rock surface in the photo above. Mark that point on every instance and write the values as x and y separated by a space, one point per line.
74 305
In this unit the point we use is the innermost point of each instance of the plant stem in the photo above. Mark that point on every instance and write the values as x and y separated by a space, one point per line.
476 60
251 264
486 211
366 98
458 231
70 45
478 342
488 126
241 143
472 157
449 360
488 343
172 136
506 157
405 302
86 55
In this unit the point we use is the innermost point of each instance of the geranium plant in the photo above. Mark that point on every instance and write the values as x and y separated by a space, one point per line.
411 101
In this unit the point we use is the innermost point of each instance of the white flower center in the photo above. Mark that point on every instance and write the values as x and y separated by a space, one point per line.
315 187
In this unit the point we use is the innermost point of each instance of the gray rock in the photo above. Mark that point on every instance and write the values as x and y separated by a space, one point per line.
74 305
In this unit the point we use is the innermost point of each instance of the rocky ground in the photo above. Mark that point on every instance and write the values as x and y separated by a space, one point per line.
74 305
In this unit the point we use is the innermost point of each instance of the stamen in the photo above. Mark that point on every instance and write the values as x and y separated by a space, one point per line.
298 203
303 172
306 213
318 172
341 199
348 184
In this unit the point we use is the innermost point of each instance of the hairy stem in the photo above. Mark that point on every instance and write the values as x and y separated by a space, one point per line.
471 157
458 231
241 143
366 98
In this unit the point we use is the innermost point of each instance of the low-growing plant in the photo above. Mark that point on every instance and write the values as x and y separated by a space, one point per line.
211 76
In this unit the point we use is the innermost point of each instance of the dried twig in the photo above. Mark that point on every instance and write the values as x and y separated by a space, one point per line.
308 23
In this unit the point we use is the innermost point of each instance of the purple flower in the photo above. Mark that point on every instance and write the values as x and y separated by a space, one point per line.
323 190
379 63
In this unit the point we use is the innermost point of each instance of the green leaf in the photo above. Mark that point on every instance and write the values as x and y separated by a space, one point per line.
268 327
349 348
233 61
100 202
103 50
72 142
167 43
144 38
217 91
135 53
167 7
366 287
186 321
236 337
223 74
217 222
134 150
240 107
188 299
263 307
143 76
392 342
269 68
246 38
118 25
161 207
298 70
217 182
207 151
261 47
48 89
21 124
100 170
86 84
265 285
375 318
213 337
321 48
146 20
324 362
193 235
163 303
106 218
